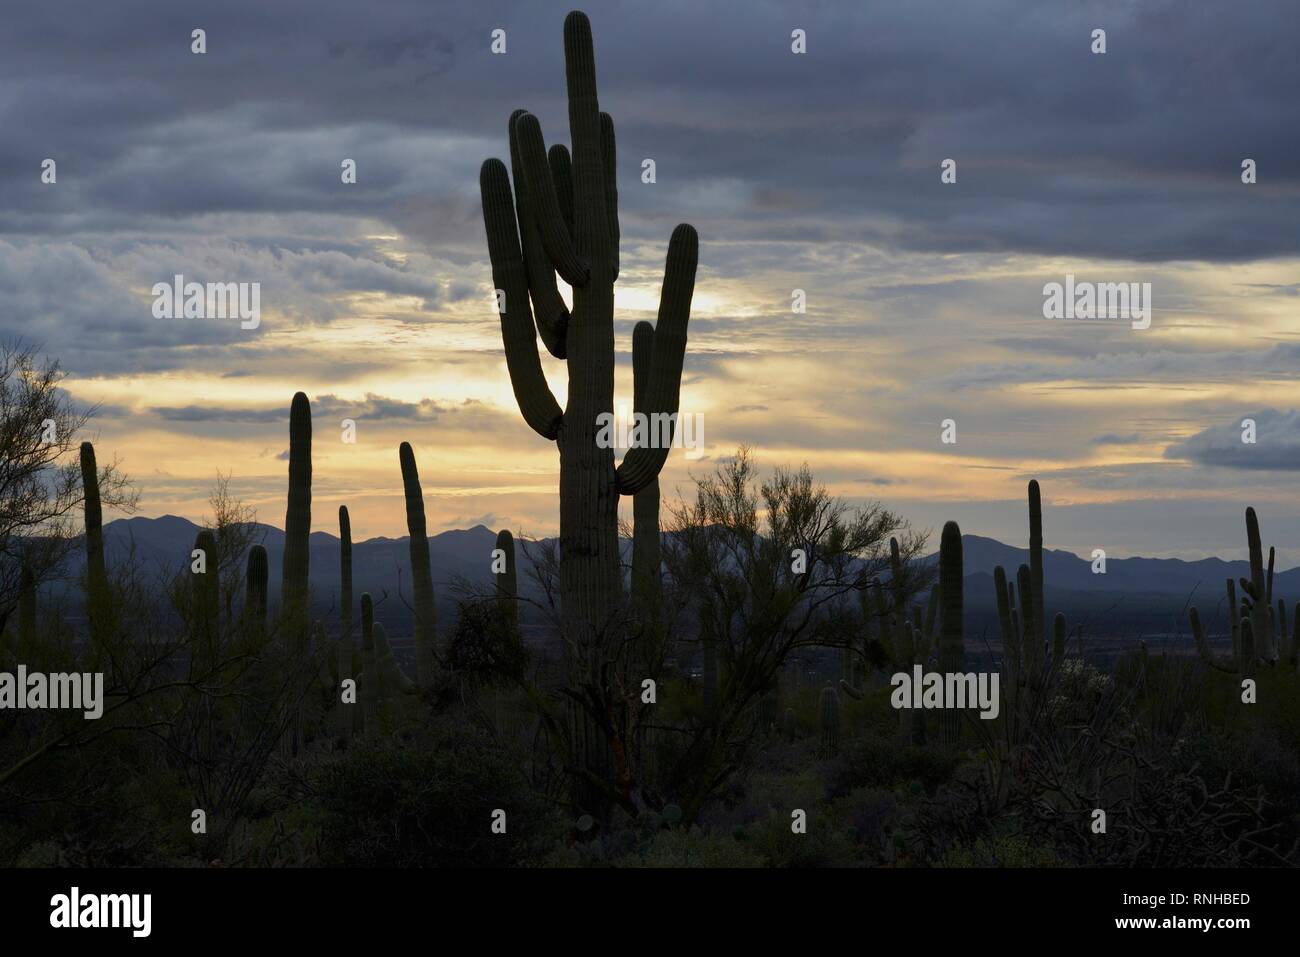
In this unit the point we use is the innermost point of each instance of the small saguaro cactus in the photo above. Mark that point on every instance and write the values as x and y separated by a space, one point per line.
256 575
345 576
828 714
562 218
206 602
507 582
1059 632
952 651
421 572
96 572
297 525
1038 628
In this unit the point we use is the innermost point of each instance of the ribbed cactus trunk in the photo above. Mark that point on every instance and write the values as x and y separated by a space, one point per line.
206 603
952 651
97 610
562 218
297 526
426 625
507 583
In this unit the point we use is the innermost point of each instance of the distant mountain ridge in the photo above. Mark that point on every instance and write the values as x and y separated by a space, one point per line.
1135 595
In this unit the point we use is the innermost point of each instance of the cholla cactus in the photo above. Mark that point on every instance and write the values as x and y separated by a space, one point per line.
828 713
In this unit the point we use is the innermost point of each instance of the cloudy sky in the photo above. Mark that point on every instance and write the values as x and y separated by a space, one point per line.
818 171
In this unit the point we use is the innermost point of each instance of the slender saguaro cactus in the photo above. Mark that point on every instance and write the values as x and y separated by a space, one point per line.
1261 588
1038 627
1059 631
345 582
206 608
646 583
421 574
952 652
297 523
532 234
507 582
256 575
96 573
1010 641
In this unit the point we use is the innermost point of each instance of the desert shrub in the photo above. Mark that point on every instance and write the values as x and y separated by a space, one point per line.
428 801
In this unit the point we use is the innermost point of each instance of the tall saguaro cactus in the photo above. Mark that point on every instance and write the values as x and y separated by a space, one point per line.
297 523
345 594
1038 627
562 218
421 574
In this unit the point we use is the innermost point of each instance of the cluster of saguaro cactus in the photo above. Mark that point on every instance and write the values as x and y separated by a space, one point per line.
1023 625
1259 632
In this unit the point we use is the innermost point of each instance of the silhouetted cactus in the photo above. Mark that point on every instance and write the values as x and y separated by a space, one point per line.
97 595
580 244
1059 631
345 577
952 651
297 526
256 575
421 574
507 583
647 587
205 609
1260 591
1038 627
828 714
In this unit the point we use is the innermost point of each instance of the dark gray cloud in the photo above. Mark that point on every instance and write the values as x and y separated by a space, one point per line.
1276 445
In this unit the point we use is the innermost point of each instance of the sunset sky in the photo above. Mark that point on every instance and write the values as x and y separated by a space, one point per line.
818 171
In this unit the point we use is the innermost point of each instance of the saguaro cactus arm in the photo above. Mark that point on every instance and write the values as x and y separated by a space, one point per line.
536 401
663 389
